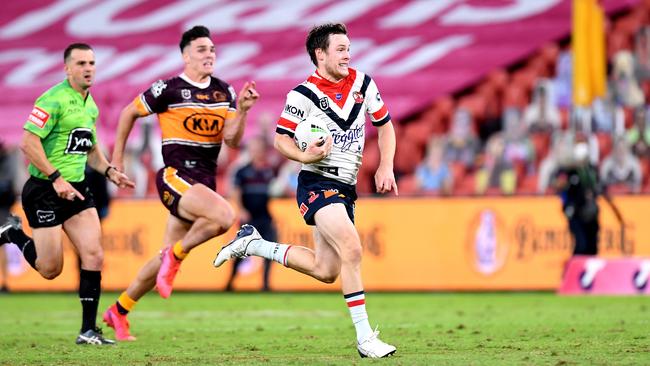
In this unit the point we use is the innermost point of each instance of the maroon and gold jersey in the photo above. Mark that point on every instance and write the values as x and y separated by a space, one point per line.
191 117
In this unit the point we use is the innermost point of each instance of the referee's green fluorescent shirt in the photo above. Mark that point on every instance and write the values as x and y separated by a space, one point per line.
65 122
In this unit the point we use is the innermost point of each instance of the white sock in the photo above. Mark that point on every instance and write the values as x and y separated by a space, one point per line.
269 250
357 305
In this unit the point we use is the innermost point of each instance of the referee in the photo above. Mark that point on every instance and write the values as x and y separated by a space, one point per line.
59 138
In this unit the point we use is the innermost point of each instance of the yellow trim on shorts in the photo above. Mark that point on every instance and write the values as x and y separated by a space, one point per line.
178 184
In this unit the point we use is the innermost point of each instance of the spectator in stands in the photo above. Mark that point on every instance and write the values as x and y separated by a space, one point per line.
608 116
496 172
492 120
563 79
559 155
624 87
581 126
519 150
638 136
434 175
621 167
642 54
462 145
542 114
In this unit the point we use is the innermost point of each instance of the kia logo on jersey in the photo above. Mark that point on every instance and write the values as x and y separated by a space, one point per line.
204 124
80 141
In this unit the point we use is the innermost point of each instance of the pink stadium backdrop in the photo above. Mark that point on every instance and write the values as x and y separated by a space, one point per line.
417 50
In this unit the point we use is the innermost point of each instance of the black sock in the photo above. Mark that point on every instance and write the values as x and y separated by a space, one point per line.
25 244
120 308
89 290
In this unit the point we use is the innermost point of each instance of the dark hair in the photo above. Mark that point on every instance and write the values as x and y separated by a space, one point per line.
197 31
319 37
74 46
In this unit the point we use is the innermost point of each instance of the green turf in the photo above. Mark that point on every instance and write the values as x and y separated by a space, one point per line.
315 329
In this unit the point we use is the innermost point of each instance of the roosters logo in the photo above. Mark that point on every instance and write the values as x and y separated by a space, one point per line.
358 97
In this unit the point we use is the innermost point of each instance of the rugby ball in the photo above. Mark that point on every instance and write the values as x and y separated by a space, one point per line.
310 130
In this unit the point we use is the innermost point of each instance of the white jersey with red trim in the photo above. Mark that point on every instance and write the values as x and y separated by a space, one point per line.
342 106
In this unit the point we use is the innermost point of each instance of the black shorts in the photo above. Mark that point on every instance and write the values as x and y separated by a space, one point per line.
173 183
44 208
315 192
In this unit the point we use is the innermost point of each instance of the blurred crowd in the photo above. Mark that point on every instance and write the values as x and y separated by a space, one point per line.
517 128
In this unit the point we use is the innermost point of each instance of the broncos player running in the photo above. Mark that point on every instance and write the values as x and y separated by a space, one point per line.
197 112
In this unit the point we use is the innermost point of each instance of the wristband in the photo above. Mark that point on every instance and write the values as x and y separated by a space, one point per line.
54 176
107 169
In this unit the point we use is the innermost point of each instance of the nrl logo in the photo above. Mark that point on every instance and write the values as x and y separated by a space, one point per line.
185 93
323 103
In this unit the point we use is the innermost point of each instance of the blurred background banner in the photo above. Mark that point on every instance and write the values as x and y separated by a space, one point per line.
417 50
409 244
589 62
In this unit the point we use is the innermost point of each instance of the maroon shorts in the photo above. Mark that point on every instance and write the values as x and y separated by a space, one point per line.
173 183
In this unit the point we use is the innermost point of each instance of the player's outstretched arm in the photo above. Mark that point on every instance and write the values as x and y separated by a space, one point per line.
234 127
124 126
385 177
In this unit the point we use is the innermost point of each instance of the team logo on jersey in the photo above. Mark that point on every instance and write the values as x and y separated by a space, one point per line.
80 141
219 96
323 103
157 88
204 124
167 198
186 94
358 97
38 117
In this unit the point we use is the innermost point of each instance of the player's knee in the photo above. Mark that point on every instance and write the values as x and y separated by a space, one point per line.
50 271
328 277
223 219
327 274
93 259
228 218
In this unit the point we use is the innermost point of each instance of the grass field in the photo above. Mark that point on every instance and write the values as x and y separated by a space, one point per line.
315 329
